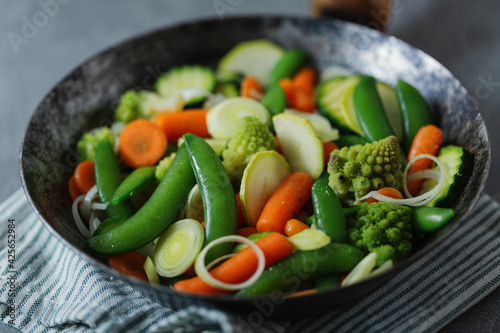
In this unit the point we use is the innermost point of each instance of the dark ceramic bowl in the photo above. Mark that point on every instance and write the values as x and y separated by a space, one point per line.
85 99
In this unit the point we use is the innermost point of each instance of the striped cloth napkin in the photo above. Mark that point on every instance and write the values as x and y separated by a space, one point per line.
47 288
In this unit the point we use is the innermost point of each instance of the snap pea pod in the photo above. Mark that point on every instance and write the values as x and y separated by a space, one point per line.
414 109
219 201
370 110
274 100
427 220
288 65
108 178
350 140
348 211
136 181
328 282
328 212
304 266
155 215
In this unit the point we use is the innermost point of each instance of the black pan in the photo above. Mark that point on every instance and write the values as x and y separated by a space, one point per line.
86 97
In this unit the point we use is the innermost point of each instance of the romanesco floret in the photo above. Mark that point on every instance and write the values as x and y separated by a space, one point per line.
144 105
381 228
252 136
88 143
163 165
356 170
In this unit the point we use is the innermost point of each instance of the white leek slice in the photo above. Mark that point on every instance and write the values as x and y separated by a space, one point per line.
178 247
362 270
309 239
203 273
150 270
78 220
386 266
86 207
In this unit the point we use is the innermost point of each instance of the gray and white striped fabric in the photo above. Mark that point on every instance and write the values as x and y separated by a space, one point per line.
55 290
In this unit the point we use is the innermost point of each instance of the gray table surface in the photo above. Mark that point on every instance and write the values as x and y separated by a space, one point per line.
461 34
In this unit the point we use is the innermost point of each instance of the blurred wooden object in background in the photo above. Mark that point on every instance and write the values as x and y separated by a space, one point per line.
372 13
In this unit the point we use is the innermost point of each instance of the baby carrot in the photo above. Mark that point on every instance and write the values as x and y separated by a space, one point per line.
304 80
251 88
247 231
287 86
129 263
285 202
328 147
241 266
74 192
428 140
176 124
303 101
142 143
388 192
294 226
85 176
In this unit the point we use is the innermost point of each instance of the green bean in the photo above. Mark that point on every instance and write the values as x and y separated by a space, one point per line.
137 180
328 212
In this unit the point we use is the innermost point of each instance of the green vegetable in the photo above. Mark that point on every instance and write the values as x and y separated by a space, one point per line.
322 127
108 178
145 105
426 220
309 239
227 89
382 228
87 145
288 65
217 145
219 201
356 170
362 270
252 136
328 212
304 266
274 100
229 77
150 270
163 165
137 180
155 215
370 110
414 109
459 165
253 237
327 282
350 140
178 247
107 225
181 78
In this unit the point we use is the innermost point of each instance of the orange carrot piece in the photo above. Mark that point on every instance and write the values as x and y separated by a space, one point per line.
241 266
388 192
304 80
142 143
328 147
303 101
294 226
250 88
74 192
285 202
176 124
190 271
247 231
85 176
428 140
241 216
303 293
287 86
131 264
203 224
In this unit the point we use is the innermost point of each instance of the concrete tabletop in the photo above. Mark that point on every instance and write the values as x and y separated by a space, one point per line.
42 41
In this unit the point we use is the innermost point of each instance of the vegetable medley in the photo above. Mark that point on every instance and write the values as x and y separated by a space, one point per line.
265 175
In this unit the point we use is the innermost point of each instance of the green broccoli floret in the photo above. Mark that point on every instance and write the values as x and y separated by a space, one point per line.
163 165
381 228
252 136
356 170
88 143
144 105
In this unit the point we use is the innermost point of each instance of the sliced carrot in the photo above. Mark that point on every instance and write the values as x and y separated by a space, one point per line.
176 124
241 216
203 224
388 192
85 176
285 202
428 140
287 86
247 231
303 101
251 88
328 147
131 264
74 192
241 266
294 226
304 80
